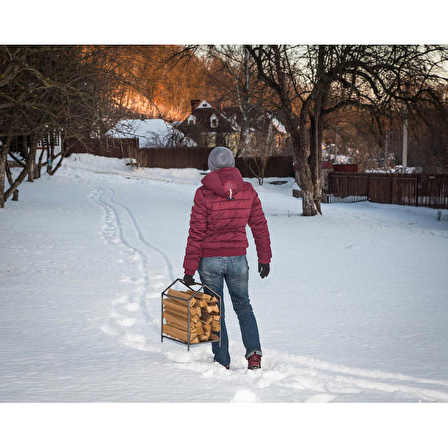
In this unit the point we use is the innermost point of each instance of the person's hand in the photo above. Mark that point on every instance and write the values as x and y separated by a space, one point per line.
263 269
189 280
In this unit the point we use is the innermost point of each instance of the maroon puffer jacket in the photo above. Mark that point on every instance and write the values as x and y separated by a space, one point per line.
222 208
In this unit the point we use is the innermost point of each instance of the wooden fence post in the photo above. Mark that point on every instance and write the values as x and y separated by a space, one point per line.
390 189
368 187
417 179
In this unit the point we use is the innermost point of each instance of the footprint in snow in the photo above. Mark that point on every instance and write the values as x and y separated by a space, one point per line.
246 396
122 299
135 337
110 329
132 306
127 322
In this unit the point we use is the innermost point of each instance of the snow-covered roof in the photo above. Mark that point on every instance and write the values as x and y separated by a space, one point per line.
151 133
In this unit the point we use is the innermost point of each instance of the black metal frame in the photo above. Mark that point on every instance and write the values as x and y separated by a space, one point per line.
201 289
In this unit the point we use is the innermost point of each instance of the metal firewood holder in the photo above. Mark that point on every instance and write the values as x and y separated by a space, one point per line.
195 292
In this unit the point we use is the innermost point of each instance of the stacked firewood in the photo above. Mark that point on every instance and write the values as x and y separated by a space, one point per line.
204 316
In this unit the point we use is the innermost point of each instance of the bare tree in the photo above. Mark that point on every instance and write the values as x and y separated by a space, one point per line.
259 150
313 81
245 91
74 90
278 67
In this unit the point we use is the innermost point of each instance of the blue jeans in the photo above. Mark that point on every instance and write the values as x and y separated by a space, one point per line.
235 271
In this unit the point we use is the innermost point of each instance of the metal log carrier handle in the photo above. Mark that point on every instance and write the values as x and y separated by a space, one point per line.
200 290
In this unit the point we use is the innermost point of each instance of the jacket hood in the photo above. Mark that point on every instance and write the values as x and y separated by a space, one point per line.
225 182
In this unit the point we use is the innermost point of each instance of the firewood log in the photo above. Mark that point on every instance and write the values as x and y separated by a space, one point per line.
206 317
179 320
203 296
179 326
200 303
199 329
214 309
181 302
206 297
179 334
172 293
170 305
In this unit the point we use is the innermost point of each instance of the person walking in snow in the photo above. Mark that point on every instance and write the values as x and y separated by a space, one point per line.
217 243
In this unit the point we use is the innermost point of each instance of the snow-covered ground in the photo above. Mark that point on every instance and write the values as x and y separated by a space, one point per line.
354 310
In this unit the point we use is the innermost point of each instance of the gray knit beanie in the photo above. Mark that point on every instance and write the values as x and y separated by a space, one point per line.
220 157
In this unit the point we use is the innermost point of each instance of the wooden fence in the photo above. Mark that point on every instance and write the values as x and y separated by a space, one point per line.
276 166
197 157
404 189
106 147
177 157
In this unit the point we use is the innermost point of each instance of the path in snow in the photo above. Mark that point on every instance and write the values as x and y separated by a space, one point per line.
144 285
319 381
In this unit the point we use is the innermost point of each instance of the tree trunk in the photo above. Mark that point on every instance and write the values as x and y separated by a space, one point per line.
24 172
3 158
304 178
64 150
315 159
320 92
305 182
32 161
308 203
45 149
299 137
9 175
34 172
49 159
